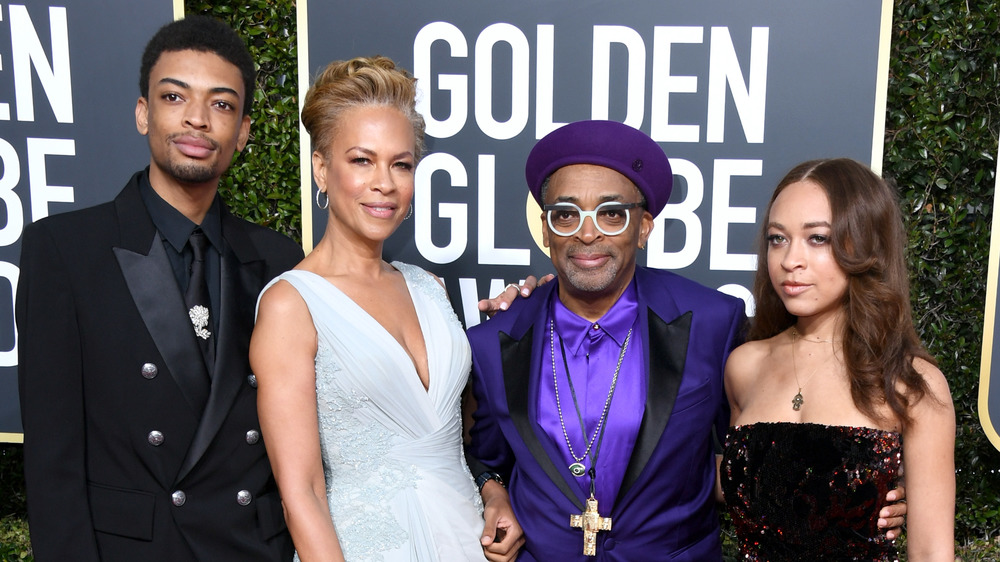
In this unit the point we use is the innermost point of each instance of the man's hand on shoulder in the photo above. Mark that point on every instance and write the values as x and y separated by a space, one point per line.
511 292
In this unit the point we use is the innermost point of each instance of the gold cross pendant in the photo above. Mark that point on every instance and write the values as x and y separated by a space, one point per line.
591 522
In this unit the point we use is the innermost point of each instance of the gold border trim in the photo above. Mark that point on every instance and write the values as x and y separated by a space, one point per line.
881 87
305 152
986 359
178 9
11 438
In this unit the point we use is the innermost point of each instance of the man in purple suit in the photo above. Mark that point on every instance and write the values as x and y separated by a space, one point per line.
597 397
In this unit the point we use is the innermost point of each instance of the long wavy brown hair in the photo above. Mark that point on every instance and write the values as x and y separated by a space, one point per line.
868 242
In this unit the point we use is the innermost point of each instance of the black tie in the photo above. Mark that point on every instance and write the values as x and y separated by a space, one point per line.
198 302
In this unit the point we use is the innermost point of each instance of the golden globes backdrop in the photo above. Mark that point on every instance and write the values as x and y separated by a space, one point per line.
735 92
69 74
989 369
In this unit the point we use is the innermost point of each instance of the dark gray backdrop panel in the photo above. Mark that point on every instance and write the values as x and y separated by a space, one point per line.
821 89
105 42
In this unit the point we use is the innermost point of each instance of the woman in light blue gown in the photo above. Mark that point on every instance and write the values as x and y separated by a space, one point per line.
361 363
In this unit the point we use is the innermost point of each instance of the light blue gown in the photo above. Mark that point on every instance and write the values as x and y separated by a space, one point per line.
397 483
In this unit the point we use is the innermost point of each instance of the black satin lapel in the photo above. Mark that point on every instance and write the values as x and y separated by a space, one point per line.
240 284
666 349
154 290
516 358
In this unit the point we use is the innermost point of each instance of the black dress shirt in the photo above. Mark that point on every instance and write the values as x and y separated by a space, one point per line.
175 229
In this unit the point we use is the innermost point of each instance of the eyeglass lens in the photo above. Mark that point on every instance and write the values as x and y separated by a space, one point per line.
611 218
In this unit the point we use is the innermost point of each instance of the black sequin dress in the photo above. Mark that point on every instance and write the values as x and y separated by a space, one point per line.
802 491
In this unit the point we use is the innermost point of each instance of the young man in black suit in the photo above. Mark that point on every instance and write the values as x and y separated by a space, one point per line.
138 403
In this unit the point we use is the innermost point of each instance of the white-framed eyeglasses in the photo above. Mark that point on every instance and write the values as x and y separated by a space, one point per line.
611 217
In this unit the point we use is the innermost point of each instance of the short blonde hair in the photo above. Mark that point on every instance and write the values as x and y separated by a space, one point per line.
359 82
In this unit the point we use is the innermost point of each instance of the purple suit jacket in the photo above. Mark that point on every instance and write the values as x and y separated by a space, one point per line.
665 509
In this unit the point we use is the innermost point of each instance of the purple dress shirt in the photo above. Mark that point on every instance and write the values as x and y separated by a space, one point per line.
592 352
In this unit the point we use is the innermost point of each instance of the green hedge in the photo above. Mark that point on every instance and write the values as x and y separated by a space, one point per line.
941 145
263 184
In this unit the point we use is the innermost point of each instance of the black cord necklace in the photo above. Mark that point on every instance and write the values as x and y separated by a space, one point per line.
578 469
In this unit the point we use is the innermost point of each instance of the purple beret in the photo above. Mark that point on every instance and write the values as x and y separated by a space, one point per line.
628 151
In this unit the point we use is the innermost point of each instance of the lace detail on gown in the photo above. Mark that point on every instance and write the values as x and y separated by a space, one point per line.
398 486
802 491
427 285
359 484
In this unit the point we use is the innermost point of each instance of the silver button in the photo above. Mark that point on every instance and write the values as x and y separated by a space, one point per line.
149 370
252 380
155 438
178 498
244 497
253 436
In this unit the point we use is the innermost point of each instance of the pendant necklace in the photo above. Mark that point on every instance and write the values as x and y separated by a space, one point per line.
577 468
590 521
797 401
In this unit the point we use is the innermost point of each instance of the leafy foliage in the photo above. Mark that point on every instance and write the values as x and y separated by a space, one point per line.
941 145
263 184
11 480
14 541
942 128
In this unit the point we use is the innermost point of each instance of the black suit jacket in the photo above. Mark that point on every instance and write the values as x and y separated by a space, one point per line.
119 464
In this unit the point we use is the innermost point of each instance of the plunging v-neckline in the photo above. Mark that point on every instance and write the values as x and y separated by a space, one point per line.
402 348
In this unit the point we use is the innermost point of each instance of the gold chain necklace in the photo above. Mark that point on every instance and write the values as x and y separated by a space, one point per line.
797 401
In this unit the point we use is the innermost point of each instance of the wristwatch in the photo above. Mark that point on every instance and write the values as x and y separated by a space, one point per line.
485 477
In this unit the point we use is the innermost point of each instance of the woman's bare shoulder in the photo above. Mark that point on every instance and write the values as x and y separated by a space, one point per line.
751 354
937 385
747 362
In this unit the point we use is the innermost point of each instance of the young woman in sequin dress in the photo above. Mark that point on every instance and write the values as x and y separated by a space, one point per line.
833 391
361 363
